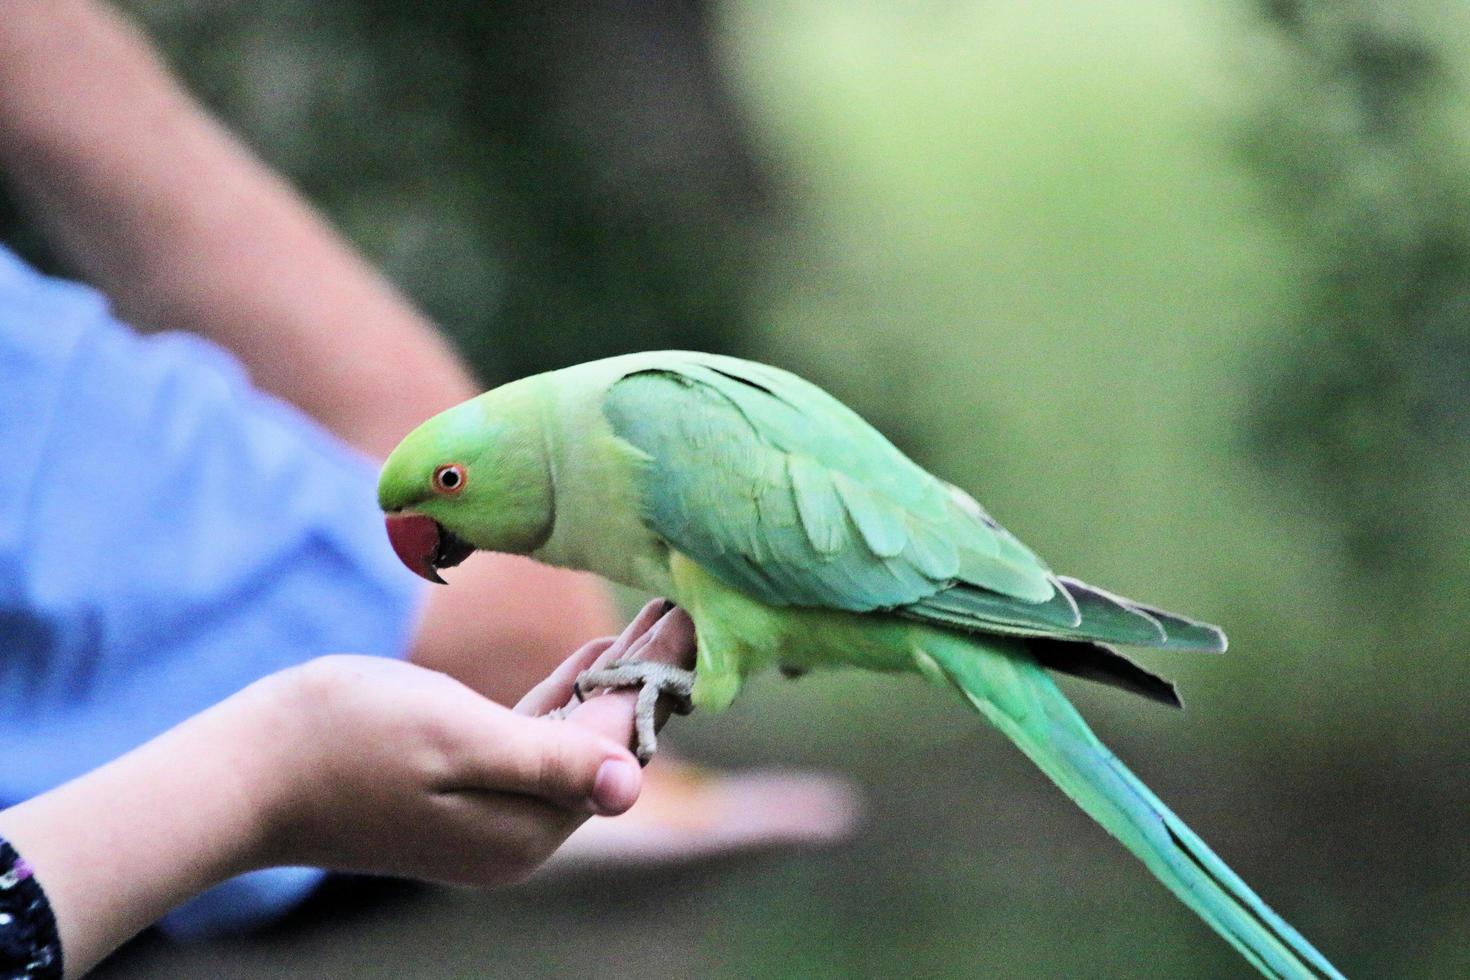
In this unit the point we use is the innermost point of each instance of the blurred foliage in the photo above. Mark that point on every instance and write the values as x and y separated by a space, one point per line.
1367 155
1179 290
550 181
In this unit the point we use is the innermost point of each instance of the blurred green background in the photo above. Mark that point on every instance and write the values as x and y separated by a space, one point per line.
1180 290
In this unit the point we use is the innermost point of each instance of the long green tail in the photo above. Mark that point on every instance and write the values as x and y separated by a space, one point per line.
1018 697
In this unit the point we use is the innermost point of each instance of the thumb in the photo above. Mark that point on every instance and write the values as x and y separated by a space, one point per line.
571 765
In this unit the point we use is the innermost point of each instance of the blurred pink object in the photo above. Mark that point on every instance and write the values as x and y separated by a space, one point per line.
687 813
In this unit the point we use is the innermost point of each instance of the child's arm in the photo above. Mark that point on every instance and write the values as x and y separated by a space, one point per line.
353 763
155 203
185 229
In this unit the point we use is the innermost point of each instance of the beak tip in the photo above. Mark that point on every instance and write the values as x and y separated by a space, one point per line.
415 540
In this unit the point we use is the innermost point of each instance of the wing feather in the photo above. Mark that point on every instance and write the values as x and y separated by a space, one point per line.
818 506
773 471
783 492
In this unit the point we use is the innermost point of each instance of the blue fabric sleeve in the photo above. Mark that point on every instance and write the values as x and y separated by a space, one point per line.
168 534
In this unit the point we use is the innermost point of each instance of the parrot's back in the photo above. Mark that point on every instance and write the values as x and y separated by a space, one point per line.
783 493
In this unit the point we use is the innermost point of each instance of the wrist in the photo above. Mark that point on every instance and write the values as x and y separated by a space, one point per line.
272 768
118 847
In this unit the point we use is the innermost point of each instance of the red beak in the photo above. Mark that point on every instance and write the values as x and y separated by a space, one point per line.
415 539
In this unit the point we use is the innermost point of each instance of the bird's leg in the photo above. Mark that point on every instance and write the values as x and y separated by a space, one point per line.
651 679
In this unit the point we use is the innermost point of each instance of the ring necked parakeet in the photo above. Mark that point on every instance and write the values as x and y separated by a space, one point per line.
796 535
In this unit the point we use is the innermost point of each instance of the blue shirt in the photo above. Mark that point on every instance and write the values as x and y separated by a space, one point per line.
168 534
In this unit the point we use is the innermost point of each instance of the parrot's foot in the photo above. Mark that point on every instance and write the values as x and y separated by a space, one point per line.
651 679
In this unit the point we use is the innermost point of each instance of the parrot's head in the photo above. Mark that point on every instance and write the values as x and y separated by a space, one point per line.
475 477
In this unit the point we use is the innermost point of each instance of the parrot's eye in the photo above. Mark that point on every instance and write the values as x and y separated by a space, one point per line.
449 478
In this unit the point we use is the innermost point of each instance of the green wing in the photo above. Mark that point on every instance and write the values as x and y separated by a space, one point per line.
780 490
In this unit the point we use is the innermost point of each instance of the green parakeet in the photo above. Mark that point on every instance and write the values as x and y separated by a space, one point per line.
796 535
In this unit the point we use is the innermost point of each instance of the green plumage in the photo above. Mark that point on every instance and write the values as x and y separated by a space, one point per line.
785 493
794 533
1017 696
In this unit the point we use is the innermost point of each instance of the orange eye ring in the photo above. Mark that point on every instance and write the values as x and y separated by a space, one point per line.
450 479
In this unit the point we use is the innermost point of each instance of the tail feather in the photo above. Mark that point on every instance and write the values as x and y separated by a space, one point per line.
1076 611
1012 690
1101 663
1112 618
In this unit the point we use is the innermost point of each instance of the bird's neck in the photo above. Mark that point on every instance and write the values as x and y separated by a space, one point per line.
598 498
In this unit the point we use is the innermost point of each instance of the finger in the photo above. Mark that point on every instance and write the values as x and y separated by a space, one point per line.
609 714
653 610
636 632
670 640
556 690
673 642
575 766
661 631
612 712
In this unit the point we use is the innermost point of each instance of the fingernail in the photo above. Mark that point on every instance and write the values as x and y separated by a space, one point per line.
616 787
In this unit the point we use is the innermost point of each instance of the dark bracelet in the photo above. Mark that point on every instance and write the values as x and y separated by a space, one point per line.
30 948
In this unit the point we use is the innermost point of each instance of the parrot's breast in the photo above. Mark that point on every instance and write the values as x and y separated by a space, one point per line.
598 524
739 635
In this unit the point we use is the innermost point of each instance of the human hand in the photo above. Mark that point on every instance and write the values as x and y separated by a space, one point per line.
380 766
345 762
